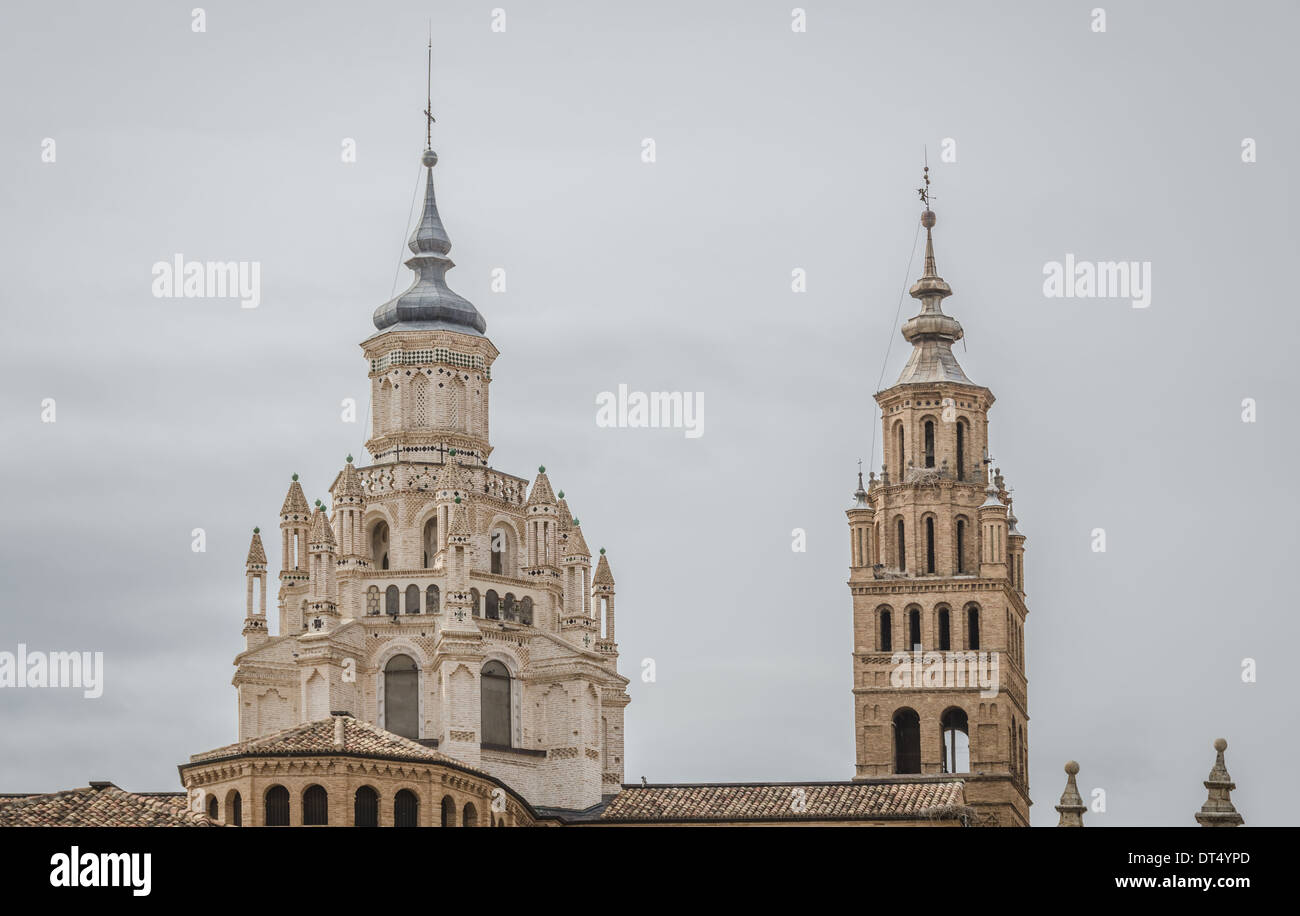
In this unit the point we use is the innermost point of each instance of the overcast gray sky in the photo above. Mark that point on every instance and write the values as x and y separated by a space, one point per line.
775 150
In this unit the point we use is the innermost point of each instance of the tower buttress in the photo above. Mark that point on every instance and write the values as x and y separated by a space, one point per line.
295 523
255 633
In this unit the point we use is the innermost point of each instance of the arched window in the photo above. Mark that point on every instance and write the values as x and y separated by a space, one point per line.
491 605
929 545
961 545
955 729
412 599
886 632
509 609
907 741
430 539
470 818
972 627
473 597
365 810
432 600
902 454
913 628
494 695
961 449
448 811
402 697
945 630
406 809
902 548
526 611
392 600
379 545
929 443
212 807
235 807
315 807
372 600
277 807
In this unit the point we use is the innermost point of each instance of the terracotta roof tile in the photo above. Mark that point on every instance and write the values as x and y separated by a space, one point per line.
779 801
100 806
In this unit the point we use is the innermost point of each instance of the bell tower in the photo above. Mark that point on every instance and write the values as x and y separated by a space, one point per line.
937 580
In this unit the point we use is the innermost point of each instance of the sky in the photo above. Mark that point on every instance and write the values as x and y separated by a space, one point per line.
775 150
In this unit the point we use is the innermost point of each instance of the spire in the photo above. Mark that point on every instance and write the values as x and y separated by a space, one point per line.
1071 807
541 494
458 532
577 543
321 532
1218 810
350 481
930 332
256 555
295 503
860 495
603 576
429 304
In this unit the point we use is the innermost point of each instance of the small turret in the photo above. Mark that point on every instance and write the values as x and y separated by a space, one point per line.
542 516
1218 810
602 587
576 567
255 632
322 596
993 535
1071 807
295 523
861 519
349 497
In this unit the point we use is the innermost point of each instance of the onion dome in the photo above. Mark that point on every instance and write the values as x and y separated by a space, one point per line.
930 332
429 304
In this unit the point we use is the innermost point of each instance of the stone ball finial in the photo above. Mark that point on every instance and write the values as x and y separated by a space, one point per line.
295 476
541 469
928 218
561 494
257 531
1072 768
1220 745
577 524
428 159
349 459
458 500
602 551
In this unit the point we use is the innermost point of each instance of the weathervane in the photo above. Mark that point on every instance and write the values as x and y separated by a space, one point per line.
924 192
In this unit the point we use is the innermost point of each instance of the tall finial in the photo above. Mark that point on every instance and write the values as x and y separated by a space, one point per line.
428 95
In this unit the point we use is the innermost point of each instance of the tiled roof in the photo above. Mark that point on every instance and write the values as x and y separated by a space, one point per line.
317 738
100 805
778 802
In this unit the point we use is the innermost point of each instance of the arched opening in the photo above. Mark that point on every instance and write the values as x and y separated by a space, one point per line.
494 696
907 741
474 599
379 545
886 631
315 807
412 599
234 809
491 605
902 548
902 453
365 809
945 630
212 807
961 545
432 600
914 629
392 600
401 696
498 546
372 600
972 627
509 609
526 611
470 818
406 809
277 807
961 449
448 811
955 730
929 443
929 545
430 541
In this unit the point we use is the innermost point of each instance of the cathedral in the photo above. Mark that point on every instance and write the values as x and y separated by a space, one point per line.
444 652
